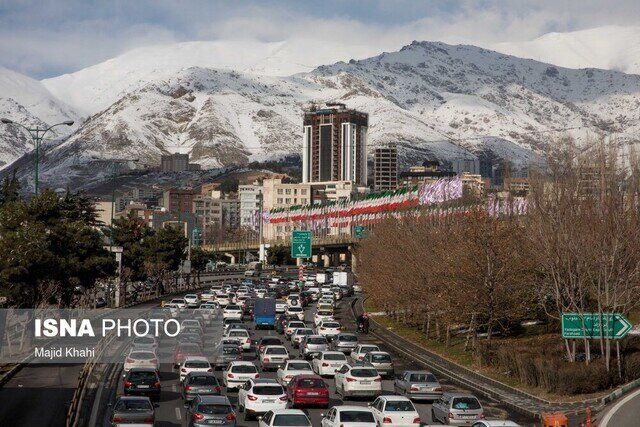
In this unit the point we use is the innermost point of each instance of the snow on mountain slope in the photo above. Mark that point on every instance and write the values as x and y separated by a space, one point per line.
609 47
26 101
95 88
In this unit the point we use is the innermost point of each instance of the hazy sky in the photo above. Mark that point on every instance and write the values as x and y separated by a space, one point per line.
50 37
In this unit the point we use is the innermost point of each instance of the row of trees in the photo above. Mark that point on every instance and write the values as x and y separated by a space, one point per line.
576 250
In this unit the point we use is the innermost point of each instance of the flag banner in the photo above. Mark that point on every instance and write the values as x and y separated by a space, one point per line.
441 191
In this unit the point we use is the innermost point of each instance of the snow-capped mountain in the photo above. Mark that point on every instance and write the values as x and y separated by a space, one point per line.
610 47
436 100
26 101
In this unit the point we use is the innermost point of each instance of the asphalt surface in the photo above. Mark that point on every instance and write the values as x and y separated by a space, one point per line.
625 413
170 410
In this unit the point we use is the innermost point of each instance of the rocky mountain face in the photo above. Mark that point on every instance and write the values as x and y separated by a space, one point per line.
435 100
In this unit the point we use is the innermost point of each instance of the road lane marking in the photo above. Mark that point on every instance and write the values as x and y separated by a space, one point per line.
617 407
178 414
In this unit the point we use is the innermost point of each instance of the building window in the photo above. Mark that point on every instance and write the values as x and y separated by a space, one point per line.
279 190
288 201
288 191
303 191
279 200
303 201
295 191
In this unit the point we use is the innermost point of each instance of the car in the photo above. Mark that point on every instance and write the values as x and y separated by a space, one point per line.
258 396
183 350
146 342
206 311
329 329
328 362
322 315
418 385
358 353
207 295
133 410
295 312
241 336
292 325
311 345
495 423
179 302
281 306
272 356
194 364
308 390
395 411
193 338
349 416
142 382
344 342
141 359
222 299
298 334
292 368
238 373
457 409
232 311
204 411
284 417
265 341
381 360
357 379
192 300
223 354
200 383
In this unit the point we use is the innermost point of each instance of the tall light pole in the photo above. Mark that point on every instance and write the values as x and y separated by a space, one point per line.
37 135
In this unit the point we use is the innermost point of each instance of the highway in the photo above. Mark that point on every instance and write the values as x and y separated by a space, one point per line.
170 410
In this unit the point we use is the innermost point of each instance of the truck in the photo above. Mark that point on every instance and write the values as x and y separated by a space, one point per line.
264 313
343 278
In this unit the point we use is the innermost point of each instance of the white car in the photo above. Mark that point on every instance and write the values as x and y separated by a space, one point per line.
291 368
192 300
241 337
313 344
293 300
238 373
260 293
328 362
284 417
322 315
222 299
232 311
179 302
281 307
357 379
207 296
272 356
395 411
190 323
147 342
141 359
358 353
259 396
292 326
194 364
298 334
295 311
349 416
329 328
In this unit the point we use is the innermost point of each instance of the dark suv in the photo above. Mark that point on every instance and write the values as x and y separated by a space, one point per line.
142 381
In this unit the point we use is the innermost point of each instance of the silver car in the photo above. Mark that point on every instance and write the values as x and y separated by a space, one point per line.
418 385
205 411
312 345
345 343
457 409
381 360
133 410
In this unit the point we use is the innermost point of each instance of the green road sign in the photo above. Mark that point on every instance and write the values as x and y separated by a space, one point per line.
300 244
359 231
594 325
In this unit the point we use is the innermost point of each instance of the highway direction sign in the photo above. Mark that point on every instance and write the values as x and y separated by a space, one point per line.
594 325
300 244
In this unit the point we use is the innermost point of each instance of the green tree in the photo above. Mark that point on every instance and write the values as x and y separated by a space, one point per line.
279 255
130 233
164 252
199 260
10 190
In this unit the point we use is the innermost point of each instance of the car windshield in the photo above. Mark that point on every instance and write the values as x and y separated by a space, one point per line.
330 325
268 390
382 358
423 378
317 340
209 409
296 324
303 331
277 350
364 372
177 301
291 420
270 341
334 356
368 348
465 403
311 383
202 380
295 309
325 313
196 364
299 366
233 307
141 375
142 355
356 417
133 405
223 296
143 340
399 406
230 349
349 338
244 369
238 333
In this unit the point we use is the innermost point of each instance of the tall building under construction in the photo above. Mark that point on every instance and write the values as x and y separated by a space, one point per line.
335 145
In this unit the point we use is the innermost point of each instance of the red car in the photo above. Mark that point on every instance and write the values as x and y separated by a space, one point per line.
308 390
183 350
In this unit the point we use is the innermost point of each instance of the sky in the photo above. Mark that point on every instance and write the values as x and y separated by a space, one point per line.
47 38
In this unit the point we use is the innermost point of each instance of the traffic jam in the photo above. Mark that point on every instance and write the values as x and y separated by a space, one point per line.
275 351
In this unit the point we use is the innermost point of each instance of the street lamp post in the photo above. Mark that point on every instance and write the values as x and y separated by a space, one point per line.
37 135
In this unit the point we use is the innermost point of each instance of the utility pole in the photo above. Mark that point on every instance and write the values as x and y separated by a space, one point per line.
37 135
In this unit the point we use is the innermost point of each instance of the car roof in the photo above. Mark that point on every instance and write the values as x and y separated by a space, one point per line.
242 362
209 399
453 394
263 381
196 358
288 412
380 352
333 352
201 374
417 372
134 398
352 408
142 369
395 397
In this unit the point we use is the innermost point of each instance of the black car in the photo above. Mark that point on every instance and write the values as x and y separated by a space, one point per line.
143 382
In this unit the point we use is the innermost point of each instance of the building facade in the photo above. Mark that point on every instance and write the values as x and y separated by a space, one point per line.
249 196
174 162
178 200
335 145
385 168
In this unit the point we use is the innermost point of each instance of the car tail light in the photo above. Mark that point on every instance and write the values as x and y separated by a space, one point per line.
197 416
451 415
230 375
154 360
325 364
283 398
217 389
116 419
438 389
230 417
252 397
127 383
257 376
209 370
248 341
481 416
156 384
187 388
149 420
416 420
386 420
350 380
